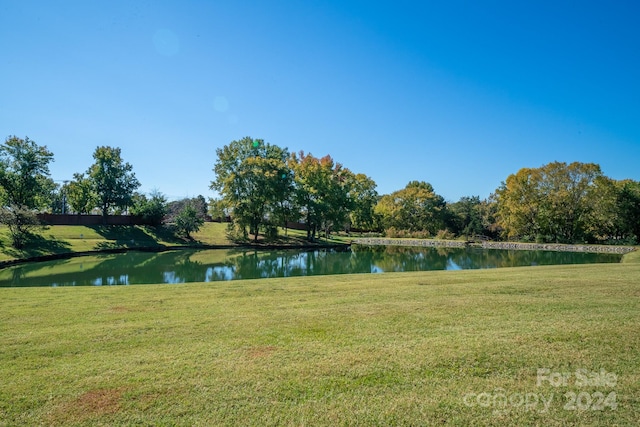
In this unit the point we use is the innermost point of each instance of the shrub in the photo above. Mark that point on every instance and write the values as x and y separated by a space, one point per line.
445 235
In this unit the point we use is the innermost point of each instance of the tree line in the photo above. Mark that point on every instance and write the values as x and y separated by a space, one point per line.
263 187
108 185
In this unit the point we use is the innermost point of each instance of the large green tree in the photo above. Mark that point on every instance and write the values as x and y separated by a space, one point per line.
113 180
519 203
81 194
553 202
25 185
416 207
253 180
322 189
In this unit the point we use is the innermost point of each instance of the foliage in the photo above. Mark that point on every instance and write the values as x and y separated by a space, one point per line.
364 197
58 200
445 235
254 181
216 209
322 191
152 209
25 185
415 208
466 216
113 180
393 232
175 207
553 202
20 221
628 203
188 221
80 193
24 173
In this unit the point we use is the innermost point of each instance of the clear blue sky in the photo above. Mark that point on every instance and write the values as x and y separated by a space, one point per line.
458 94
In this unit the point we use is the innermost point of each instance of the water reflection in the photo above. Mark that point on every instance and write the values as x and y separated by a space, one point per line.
217 265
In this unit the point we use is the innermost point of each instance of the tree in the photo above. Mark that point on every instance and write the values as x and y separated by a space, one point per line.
113 180
416 207
152 209
467 216
364 198
175 207
217 210
519 203
628 202
253 180
615 210
80 193
58 200
188 220
24 173
552 202
321 191
25 185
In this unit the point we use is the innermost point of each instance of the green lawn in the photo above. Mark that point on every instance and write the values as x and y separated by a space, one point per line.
433 348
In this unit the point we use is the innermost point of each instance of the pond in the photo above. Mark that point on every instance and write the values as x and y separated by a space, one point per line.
182 266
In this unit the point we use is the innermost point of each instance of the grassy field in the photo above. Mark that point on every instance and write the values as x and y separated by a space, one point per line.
478 347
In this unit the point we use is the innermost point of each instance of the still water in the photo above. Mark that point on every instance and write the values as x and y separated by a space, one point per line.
183 266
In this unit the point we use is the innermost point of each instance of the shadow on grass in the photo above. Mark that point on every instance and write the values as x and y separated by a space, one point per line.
126 236
37 245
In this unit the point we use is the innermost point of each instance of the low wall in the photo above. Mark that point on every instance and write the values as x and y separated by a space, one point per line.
496 245
559 247
374 241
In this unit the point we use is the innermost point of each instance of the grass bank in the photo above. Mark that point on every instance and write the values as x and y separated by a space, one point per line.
430 348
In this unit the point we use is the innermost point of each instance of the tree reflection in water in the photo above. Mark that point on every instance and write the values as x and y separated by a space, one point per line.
183 266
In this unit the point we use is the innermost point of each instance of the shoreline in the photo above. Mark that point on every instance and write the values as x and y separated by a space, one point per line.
68 255
556 247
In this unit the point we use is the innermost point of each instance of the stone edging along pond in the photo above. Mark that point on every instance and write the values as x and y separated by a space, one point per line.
495 245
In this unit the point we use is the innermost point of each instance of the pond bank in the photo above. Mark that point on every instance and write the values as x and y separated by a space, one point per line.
558 247
161 248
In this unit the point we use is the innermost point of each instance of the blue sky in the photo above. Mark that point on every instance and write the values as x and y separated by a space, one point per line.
458 94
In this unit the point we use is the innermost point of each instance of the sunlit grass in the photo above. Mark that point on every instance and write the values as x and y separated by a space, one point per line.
632 257
390 349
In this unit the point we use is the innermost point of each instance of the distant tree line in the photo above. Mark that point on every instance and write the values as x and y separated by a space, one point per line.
263 187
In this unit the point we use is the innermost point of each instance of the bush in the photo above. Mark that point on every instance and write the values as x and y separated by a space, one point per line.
445 235
393 232
188 221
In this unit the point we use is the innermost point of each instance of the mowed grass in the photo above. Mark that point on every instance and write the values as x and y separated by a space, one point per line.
389 349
